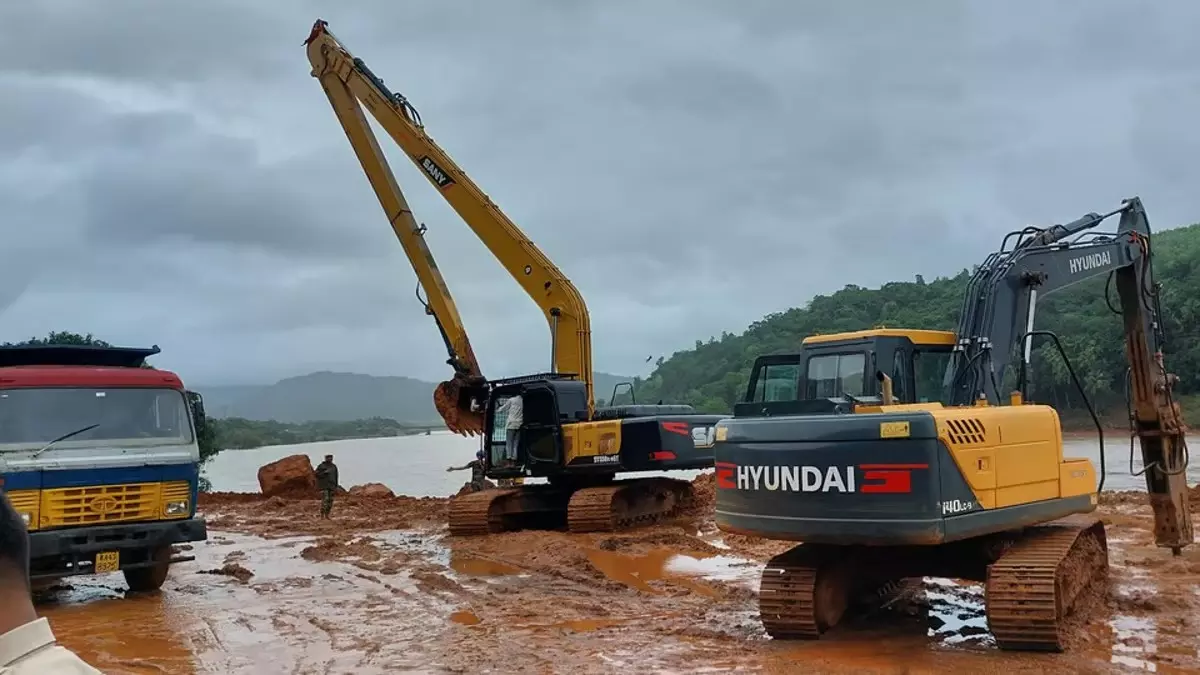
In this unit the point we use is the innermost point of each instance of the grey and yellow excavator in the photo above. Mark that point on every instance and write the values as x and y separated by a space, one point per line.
893 453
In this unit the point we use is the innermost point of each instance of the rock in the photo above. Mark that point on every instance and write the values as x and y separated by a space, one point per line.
232 570
372 490
290 476
468 487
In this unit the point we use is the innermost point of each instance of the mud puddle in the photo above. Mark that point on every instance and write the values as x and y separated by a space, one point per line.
660 569
292 615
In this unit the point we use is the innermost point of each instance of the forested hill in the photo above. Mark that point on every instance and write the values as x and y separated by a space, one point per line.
341 397
713 375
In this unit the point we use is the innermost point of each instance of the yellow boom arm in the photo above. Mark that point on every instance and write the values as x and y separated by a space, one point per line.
347 81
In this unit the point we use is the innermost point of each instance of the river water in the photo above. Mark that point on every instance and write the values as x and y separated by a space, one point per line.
416 465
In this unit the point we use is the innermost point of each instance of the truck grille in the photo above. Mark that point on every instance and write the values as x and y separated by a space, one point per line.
97 505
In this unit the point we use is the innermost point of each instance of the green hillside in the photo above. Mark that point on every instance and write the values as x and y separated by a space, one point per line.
713 375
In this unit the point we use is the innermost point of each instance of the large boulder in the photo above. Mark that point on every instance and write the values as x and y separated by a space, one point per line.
291 476
372 490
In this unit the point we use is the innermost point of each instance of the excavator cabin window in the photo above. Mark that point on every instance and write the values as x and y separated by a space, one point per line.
929 368
777 382
498 438
832 375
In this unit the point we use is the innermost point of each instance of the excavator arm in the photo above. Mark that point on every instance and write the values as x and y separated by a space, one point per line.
999 306
347 82
998 316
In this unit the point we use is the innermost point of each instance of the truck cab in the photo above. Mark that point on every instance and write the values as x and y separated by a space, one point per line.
99 456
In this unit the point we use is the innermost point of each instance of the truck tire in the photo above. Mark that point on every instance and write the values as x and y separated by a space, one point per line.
146 579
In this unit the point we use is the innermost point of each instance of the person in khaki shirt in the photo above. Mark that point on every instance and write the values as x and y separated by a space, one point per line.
27 645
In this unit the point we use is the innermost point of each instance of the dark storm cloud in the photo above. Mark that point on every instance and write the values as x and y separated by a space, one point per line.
163 178
172 174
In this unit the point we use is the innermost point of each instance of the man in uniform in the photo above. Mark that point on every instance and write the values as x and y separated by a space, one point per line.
327 483
478 480
27 645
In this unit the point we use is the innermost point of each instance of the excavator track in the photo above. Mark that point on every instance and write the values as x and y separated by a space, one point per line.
626 504
804 592
1032 588
479 513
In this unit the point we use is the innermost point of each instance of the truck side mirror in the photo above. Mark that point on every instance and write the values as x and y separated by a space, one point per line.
199 419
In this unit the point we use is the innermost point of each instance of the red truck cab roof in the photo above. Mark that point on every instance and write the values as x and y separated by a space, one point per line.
86 376
96 366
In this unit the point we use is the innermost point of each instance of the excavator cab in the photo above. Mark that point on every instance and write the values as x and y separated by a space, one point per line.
835 372
547 402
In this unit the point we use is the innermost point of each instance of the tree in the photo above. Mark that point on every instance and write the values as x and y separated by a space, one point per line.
62 338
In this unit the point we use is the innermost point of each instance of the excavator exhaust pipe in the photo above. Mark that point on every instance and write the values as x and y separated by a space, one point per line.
886 391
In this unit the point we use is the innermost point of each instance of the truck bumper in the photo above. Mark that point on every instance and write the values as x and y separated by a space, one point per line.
73 551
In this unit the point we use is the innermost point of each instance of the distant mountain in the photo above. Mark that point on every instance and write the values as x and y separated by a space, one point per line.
602 387
345 396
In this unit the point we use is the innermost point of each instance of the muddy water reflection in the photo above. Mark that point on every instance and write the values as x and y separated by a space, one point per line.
139 634
292 616
641 571
480 567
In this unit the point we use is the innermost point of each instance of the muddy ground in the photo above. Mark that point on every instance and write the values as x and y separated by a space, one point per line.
381 587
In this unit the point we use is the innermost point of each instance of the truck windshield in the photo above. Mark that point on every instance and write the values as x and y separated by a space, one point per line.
125 416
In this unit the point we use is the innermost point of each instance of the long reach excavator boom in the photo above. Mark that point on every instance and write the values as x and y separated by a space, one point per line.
544 425
347 82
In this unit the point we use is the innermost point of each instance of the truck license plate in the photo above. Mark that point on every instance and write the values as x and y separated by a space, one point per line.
107 561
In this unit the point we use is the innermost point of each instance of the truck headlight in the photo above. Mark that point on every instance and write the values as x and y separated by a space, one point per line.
177 508
26 518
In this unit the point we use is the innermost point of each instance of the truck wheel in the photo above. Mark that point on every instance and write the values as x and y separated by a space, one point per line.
144 579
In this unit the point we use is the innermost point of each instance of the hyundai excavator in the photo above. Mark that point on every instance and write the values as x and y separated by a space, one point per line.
564 437
891 454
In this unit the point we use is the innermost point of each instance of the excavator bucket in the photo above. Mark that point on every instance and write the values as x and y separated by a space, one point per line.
453 400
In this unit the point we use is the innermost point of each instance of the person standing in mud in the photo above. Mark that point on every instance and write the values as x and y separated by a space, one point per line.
478 480
27 645
327 483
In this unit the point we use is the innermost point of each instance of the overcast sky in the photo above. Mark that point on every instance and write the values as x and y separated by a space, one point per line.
170 173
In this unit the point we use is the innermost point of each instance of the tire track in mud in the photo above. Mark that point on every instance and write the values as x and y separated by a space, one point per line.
329 614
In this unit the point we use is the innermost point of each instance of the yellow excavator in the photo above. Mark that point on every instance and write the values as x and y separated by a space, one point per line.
563 437
891 453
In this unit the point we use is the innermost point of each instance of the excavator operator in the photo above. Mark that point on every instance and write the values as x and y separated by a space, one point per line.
514 416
